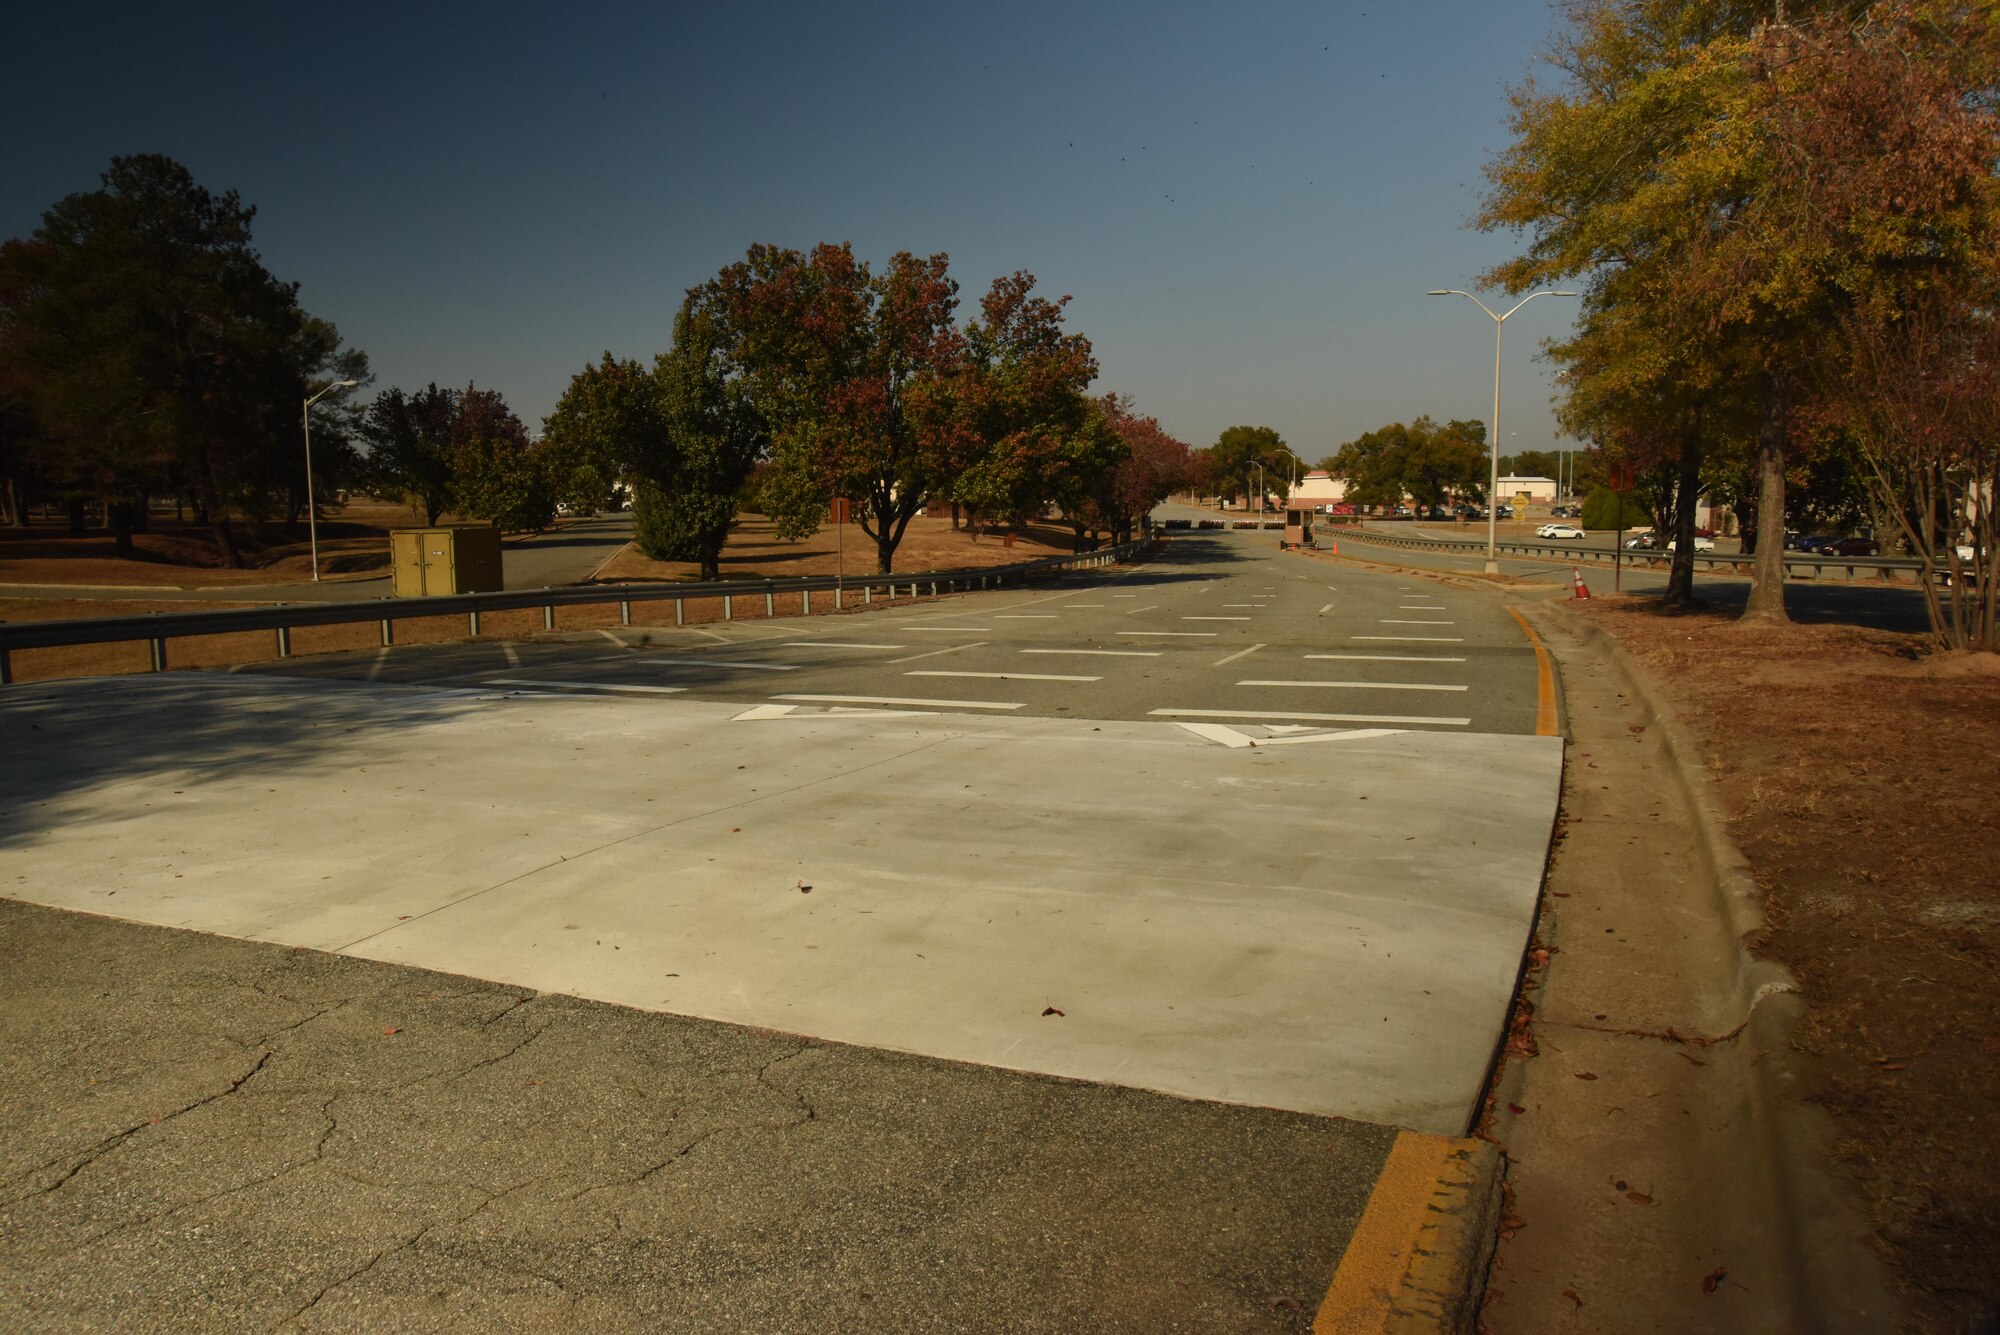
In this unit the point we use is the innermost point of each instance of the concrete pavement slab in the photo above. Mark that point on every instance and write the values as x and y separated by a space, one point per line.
1332 928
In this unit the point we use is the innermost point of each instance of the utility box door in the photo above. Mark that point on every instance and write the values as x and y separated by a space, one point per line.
462 558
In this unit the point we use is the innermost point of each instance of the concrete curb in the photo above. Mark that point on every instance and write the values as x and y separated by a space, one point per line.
1417 1261
1836 1278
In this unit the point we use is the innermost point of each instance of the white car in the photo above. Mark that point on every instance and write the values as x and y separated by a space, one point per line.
1566 532
1700 545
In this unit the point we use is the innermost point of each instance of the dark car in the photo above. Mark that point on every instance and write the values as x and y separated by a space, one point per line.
1853 547
1817 542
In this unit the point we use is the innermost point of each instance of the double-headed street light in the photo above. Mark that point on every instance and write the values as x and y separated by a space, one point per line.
312 516
1493 431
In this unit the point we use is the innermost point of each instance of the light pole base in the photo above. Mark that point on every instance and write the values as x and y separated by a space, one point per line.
1492 567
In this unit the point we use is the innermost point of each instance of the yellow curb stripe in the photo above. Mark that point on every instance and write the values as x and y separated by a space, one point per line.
1380 1253
1545 680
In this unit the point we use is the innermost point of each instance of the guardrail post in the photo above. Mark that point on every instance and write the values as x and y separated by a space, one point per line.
805 602
728 607
867 593
837 590
388 632
770 607
625 612
6 669
549 617
472 622
159 644
284 641
933 588
680 612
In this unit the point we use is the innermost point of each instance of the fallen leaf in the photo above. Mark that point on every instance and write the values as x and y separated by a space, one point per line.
1638 1198
1713 1280
387 1032
1584 1075
1695 1061
1284 1304
736 829
1516 1109
1051 1011
1571 1294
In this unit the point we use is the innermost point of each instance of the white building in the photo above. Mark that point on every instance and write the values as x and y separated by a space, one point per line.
1537 488
1316 488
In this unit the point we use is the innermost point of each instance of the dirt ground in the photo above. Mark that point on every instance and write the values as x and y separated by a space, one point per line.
353 540
753 553
930 543
1863 783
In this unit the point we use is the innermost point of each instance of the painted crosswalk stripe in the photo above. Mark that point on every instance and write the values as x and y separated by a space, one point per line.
1313 718
1389 658
1001 676
1361 685
723 663
1100 653
901 700
585 685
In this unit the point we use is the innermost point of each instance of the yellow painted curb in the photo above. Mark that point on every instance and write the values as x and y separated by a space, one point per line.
1417 1259
1545 680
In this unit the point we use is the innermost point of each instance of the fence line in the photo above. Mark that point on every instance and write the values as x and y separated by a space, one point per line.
159 627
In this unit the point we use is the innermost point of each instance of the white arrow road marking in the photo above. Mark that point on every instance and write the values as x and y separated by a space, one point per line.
1230 737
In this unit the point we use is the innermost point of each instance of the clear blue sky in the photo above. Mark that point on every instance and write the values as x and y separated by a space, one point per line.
1247 202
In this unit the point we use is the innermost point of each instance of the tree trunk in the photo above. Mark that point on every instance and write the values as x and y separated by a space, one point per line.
119 515
77 526
17 515
954 516
1767 572
1687 487
709 552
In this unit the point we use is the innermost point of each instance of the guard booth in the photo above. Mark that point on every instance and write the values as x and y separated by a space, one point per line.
456 558
1298 527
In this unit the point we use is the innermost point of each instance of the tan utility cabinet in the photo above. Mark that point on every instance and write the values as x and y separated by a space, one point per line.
461 558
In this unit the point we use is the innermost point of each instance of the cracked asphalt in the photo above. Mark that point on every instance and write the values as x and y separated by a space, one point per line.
199 1133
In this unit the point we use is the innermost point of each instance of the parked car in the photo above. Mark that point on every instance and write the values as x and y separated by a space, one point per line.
1562 532
1853 547
1701 544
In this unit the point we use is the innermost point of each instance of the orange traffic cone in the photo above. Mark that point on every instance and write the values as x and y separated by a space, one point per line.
1336 546
1581 591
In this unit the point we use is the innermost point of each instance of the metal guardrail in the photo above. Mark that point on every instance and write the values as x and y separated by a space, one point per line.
1739 561
158 627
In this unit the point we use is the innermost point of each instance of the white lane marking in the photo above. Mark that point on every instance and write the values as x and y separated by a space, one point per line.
835 644
1413 639
1388 658
719 639
1240 653
1179 634
764 712
1100 653
1411 621
1001 676
1361 685
585 685
1215 618
901 700
1420 607
1331 589
512 654
1083 604
1230 737
950 649
381 657
1026 616
949 628
1320 718
1324 610
609 636
723 663
1239 604
1134 611
1124 595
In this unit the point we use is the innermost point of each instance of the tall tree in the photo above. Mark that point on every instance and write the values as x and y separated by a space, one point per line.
411 449
858 375
1237 453
713 437
153 348
1423 461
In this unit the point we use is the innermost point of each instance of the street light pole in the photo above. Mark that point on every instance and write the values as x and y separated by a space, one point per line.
312 515
1493 491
